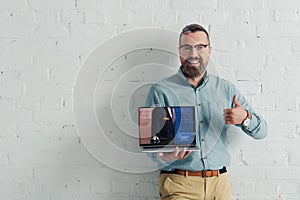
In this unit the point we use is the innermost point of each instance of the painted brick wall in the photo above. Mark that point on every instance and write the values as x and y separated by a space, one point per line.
43 45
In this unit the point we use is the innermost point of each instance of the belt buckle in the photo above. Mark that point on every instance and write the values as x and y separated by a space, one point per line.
204 173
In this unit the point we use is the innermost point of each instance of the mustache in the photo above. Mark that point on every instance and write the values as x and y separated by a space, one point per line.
191 59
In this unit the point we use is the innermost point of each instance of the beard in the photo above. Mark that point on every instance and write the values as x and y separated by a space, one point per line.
191 71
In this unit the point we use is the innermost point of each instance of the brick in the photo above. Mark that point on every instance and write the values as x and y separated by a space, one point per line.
296 45
274 173
148 188
40 76
73 16
3 159
212 17
247 75
25 16
88 4
117 186
261 16
282 129
46 159
167 17
238 61
51 17
231 46
52 31
53 116
268 84
7 104
62 76
271 30
248 173
278 159
17 116
95 17
144 18
279 4
291 73
5 16
136 4
266 46
285 15
8 187
266 187
4 47
70 46
28 102
51 5
287 187
11 91
234 30
32 89
286 102
111 6
281 144
224 72
242 188
33 46
294 159
248 87
51 102
256 4
13 4
264 101
8 131
91 31
187 16
17 31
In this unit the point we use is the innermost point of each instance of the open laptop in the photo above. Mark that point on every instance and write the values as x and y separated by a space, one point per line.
161 129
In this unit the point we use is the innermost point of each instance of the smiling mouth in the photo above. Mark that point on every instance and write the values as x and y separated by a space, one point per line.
194 62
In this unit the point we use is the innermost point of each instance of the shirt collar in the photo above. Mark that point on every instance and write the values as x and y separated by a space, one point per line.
185 80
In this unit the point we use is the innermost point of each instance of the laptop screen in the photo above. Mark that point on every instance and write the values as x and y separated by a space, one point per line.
172 126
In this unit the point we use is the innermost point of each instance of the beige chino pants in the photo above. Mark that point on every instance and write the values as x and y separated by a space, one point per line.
181 187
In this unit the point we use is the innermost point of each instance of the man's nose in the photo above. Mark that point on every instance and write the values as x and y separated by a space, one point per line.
194 53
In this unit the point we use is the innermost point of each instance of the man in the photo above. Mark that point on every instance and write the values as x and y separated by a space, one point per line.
201 174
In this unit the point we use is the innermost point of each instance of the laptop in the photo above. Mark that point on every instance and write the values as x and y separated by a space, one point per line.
161 129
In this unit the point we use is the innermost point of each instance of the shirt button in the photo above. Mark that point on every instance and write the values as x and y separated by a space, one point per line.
201 121
199 104
202 140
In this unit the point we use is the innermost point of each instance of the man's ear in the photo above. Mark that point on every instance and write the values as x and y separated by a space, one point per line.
210 49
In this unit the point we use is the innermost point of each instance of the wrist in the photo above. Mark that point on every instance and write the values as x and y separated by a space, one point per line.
246 122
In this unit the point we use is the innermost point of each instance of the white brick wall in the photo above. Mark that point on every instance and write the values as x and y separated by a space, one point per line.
43 43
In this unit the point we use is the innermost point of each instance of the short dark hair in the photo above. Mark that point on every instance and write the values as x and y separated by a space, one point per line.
192 28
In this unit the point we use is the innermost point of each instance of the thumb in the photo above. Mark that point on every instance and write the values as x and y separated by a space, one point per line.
236 102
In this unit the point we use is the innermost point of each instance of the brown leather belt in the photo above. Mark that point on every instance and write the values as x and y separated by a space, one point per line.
204 173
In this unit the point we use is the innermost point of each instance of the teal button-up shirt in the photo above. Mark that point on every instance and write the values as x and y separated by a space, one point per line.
210 99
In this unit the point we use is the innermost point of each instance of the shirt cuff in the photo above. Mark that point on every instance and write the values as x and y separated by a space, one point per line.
255 122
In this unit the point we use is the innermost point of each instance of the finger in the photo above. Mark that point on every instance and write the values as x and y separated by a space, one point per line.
228 111
187 153
236 102
176 152
182 153
161 154
229 122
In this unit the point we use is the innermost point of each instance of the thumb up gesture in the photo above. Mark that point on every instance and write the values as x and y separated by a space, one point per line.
235 115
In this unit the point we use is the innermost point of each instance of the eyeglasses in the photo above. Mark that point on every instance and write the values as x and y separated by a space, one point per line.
188 49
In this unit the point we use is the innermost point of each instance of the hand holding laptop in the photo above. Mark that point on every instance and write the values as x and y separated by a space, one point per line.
175 155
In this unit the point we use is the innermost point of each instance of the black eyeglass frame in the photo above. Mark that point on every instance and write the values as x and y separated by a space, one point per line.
203 46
